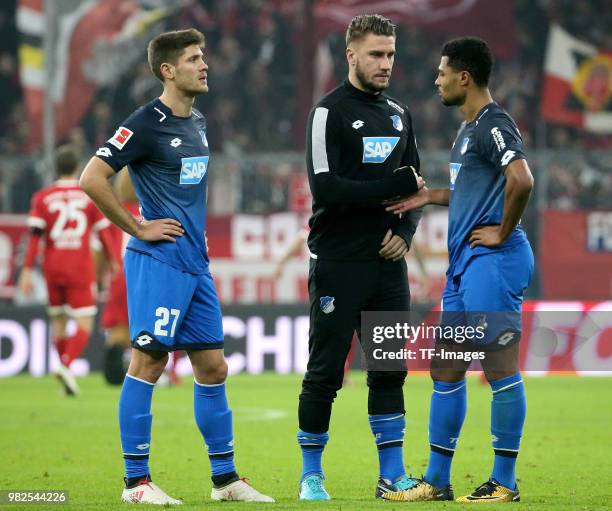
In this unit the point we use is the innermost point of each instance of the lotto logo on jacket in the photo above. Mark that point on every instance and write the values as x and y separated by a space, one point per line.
378 149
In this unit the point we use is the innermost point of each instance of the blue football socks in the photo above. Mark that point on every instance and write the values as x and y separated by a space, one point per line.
312 445
135 421
508 411
388 430
214 420
446 415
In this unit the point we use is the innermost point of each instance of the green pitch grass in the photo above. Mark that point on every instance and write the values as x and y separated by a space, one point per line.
50 442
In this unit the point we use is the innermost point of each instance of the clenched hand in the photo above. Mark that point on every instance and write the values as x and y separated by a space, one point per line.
394 247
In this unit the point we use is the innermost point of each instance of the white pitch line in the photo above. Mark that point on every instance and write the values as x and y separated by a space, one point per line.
253 414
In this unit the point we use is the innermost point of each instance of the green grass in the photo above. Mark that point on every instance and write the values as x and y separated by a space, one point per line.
49 442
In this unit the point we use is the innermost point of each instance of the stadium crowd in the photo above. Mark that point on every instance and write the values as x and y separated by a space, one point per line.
252 106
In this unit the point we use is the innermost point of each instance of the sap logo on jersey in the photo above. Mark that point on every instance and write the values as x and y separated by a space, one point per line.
193 169
378 149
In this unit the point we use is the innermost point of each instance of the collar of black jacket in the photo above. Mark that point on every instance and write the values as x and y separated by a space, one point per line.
368 96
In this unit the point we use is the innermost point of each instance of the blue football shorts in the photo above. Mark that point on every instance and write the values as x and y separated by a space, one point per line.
170 309
488 297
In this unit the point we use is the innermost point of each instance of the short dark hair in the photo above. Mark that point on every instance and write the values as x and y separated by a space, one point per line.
368 24
470 54
169 46
66 160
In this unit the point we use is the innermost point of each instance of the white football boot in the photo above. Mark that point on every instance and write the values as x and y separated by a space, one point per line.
239 490
147 492
68 381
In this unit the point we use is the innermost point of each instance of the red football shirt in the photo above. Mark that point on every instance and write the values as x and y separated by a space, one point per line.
66 216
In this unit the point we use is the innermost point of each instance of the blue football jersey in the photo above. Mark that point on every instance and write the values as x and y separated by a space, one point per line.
167 157
479 156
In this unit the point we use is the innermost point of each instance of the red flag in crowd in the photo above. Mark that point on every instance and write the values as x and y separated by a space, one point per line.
577 89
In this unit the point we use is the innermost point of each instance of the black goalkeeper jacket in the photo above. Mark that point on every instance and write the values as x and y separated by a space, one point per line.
355 141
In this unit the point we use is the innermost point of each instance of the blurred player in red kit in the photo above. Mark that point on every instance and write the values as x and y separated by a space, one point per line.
64 217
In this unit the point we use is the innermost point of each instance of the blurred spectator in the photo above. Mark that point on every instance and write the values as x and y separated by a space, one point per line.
100 125
252 104
25 183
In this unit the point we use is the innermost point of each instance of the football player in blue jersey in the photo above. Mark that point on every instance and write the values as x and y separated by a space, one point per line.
172 300
491 264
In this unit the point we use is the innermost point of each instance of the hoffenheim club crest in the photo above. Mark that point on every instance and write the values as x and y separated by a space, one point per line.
397 122
327 304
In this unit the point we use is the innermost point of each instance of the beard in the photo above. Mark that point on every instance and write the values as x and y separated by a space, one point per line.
367 84
189 88
453 100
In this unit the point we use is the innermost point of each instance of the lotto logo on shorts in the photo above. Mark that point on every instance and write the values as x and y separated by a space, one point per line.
378 149
193 169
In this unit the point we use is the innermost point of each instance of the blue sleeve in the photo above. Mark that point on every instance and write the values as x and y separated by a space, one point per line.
129 144
500 142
